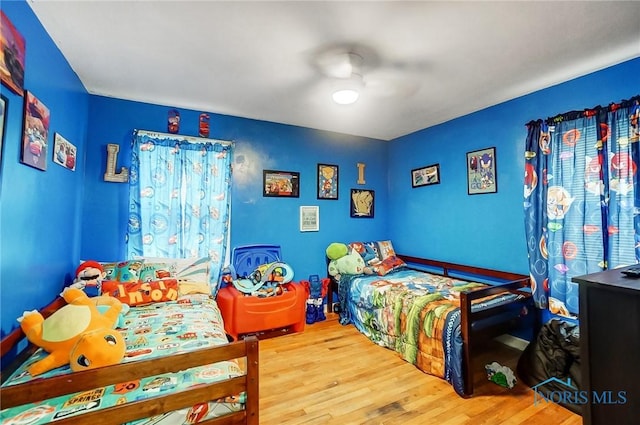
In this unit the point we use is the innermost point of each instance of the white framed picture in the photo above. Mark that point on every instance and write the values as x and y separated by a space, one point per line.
309 218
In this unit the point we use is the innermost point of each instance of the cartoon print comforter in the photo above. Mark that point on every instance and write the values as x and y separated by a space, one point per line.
414 313
159 329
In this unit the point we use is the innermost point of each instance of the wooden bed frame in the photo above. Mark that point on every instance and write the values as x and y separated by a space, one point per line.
503 282
42 389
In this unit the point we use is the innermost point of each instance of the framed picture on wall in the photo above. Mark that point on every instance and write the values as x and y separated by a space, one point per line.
64 152
425 176
482 174
283 184
362 203
309 219
13 47
327 181
35 133
3 122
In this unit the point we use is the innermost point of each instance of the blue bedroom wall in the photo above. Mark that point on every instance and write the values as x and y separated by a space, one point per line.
39 211
49 220
442 221
254 218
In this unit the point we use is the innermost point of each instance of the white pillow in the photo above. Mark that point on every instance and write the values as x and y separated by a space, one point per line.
193 269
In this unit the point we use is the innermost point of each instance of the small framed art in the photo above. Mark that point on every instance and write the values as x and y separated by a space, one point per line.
283 184
64 152
482 174
327 181
362 203
425 176
309 219
35 133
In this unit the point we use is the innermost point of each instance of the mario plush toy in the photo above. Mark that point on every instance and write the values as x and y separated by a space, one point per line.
89 277
77 333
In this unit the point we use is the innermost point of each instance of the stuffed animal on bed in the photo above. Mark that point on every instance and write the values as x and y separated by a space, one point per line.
89 277
77 334
345 261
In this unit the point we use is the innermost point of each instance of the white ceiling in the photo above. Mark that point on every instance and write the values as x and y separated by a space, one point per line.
258 59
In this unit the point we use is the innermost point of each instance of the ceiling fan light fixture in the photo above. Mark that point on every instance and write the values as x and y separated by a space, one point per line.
347 91
346 96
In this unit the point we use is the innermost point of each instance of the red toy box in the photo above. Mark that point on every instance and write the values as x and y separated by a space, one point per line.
244 314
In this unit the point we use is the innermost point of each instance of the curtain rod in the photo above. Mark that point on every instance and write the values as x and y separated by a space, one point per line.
190 139
625 103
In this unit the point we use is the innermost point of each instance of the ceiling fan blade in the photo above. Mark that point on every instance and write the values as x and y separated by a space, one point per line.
391 86
341 60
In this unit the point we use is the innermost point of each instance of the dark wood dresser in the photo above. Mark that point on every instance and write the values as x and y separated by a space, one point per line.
610 347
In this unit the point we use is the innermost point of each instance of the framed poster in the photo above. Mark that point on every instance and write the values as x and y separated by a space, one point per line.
283 184
425 176
327 181
3 122
482 174
362 203
64 152
13 58
309 219
35 133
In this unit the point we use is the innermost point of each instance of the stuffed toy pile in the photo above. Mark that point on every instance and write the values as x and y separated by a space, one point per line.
345 260
77 334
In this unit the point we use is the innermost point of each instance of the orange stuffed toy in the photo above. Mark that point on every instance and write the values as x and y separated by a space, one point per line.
77 333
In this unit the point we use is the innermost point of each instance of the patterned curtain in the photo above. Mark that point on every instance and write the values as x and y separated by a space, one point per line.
179 198
581 198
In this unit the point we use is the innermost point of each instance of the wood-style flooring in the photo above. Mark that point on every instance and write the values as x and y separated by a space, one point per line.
333 374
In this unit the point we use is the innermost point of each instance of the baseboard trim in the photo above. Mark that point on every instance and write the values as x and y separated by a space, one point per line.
512 341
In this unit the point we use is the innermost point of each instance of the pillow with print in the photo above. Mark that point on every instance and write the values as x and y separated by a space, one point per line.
142 293
389 264
157 271
367 252
386 249
123 271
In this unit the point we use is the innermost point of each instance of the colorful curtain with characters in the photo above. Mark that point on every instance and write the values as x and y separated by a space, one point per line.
581 198
179 198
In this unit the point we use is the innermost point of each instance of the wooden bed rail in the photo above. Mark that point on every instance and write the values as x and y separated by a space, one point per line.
33 391
505 282
447 267
15 395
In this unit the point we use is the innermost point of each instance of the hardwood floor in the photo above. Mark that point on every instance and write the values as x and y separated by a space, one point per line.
333 374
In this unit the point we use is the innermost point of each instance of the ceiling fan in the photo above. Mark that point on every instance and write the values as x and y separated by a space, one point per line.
356 70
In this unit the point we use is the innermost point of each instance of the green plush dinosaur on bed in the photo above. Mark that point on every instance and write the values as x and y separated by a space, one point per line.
345 260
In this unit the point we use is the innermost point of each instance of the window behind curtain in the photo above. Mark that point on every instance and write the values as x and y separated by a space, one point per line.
581 199
179 198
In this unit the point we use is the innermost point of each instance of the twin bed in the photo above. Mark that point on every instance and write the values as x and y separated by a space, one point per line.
179 368
435 314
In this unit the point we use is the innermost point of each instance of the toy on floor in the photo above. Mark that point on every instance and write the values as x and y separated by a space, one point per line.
317 290
500 375
77 334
